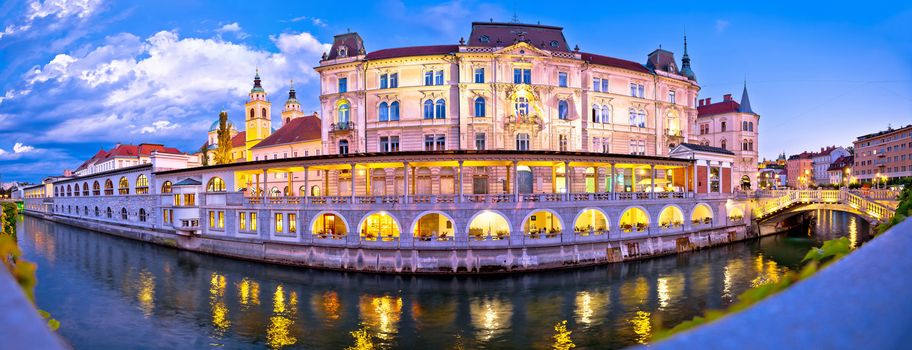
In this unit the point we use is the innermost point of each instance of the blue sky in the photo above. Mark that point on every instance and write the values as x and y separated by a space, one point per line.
77 76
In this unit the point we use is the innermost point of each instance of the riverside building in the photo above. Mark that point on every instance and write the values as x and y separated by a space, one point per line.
506 151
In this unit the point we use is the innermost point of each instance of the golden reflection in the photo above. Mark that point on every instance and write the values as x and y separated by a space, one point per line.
853 232
382 313
662 292
363 340
146 293
490 317
278 333
217 305
249 292
642 326
590 307
768 272
329 304
562 340
729 273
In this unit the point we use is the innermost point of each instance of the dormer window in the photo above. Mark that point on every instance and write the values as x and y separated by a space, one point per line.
343 52
554 44
484 38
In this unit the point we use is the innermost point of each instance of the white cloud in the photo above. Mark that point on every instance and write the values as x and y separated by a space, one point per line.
233 28
18 150
56 69
722 25
319 22
59 9
158 126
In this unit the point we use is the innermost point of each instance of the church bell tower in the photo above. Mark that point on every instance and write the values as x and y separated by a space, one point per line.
258 116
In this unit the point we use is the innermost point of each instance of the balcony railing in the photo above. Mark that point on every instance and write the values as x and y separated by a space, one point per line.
674 132
342 127
471 198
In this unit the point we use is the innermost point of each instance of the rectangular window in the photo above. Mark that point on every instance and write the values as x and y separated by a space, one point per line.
641 91
253 221
522 142
394 144
633 147
394 80
278 222
596 84
221 220
604 85
480 141
441 142
527 76
211 219
384 144
606 145
671 97
562 79
479 75
563 143
292 223
429 78
384 82
438 78
177 200
522 76
343 85
428 142
633 89
242 221
190 199
166 214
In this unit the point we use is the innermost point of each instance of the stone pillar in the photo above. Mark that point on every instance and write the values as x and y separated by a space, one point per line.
515 182
553 179
325 191
306 185
265 183
652 179
459 197
508 182
405 181
696 186
612 178
708 177
568 174
290 189
596 181
352 181
256 187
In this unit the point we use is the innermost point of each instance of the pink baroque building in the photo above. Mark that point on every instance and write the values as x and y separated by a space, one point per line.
732 126
509 86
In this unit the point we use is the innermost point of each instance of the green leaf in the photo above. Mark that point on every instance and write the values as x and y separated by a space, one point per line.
44 314
54 324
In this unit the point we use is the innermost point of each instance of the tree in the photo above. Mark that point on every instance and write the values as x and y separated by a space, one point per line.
204 154
223 152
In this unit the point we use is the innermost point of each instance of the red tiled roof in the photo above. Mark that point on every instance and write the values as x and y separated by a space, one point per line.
100 155
613 62
718 108
505 34
144 149
412 51
239 140
842 163
297 130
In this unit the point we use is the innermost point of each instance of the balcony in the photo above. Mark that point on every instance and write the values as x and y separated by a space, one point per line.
342 127
674 133
522 121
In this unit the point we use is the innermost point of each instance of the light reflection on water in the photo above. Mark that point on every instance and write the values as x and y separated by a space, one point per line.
162 298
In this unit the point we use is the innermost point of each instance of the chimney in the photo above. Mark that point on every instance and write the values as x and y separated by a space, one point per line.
709 100
727 97
700 103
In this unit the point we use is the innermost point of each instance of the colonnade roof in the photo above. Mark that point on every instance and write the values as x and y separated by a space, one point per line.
103 174
442 158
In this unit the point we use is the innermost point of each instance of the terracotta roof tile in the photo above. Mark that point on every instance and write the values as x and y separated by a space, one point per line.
505 34
297 130
718 108
239 140
614 62
412 51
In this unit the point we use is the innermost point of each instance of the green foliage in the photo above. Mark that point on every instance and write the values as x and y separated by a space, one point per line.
834 248
11 259
204 154
223 152
10 212
903 209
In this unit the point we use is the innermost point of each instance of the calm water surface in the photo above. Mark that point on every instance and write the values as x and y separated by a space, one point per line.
113 293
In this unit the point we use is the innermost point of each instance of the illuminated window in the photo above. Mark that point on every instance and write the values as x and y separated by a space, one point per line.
177 200
123 186
279 220
211 219
189 199
221 220
166 187
96 189
292 223
242 222
216 184
142 184
253 221
344 115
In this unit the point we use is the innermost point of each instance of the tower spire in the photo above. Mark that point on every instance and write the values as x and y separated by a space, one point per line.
685 63
745 101
256 82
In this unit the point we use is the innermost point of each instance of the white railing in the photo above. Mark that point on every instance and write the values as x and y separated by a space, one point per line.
779 200
471 198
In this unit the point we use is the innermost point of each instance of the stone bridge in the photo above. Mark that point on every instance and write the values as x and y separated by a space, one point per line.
769 205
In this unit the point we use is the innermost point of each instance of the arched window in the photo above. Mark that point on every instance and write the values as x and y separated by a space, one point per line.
343 146
285 192
110 213
96 189
479 107
302 190
606 115
97 212
123 213
522 106
142 215
428 109
440 111
744 145
85 210
85 188
166 187
750 145
343 113
216 184
724 144
69 191
315 191
109 187
123 186
384 112
633 117
252 115
563 110
274 192
142 184
744 126
750 126
264 112
394 111
596 113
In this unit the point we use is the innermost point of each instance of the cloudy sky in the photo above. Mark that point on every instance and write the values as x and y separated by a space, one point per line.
80 75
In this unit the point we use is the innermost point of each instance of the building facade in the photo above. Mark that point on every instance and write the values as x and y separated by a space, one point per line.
800 168
124 156
883 155
733 126
821 162
840 171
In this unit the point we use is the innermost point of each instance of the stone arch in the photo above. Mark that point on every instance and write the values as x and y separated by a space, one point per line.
593 220
499 222
545 223
632 217
671 216
333 230
370 233
700 212
441 233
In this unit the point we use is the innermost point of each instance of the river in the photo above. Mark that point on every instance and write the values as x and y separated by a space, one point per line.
113 293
